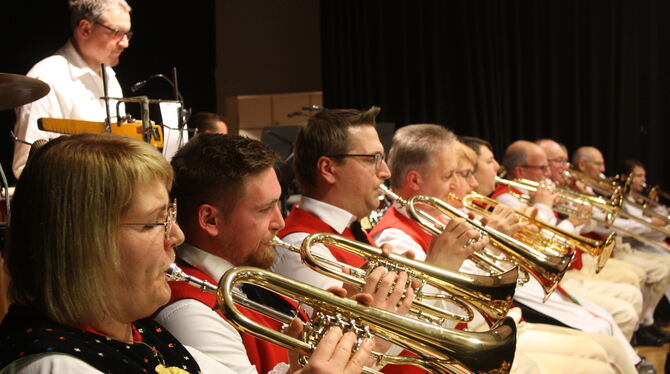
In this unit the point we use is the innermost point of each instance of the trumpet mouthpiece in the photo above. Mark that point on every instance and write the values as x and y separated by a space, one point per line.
174 272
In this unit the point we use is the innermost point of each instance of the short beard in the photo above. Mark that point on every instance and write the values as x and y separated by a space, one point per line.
263 257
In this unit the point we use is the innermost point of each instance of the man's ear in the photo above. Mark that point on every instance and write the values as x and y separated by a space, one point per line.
413 180
580 164
84 29
209 218
327 169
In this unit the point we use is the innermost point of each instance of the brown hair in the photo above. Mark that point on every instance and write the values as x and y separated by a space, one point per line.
211 168
64 227
204 121
326 133
475 143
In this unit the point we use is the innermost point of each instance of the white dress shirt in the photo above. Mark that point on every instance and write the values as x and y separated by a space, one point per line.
290 264
197 325
401 242
75 94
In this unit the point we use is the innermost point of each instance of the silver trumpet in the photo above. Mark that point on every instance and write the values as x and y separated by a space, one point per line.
439 349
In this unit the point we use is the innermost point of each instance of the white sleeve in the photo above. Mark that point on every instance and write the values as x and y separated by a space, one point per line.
509 200
209 365
49 363
545 213
569 227
196 325
289 264
400 242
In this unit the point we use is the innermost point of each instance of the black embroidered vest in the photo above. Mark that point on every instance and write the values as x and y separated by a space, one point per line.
24 333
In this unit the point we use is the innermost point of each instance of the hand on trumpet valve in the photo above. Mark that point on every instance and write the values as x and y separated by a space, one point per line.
333 354
504 219
658 222
457 242
577 220
546 193
530 212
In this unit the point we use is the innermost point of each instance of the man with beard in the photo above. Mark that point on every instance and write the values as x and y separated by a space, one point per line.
100 33
228 194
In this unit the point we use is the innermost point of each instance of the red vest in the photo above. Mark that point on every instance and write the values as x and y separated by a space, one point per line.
394 219
263 354
300 220
503 189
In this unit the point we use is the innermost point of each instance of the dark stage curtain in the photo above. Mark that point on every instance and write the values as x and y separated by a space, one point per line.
583 72
167 34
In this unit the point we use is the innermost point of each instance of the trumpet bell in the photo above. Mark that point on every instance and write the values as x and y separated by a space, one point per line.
547 268
604 252
490 295
439 349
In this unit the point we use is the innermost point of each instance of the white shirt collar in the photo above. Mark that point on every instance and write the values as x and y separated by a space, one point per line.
78 66
337 218
210 264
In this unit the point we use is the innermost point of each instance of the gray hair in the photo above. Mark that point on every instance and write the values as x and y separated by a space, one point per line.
92 10
413 147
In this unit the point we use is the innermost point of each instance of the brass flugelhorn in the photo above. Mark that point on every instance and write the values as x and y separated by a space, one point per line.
600 250
490 295
571 203
619 192
547 268
439 349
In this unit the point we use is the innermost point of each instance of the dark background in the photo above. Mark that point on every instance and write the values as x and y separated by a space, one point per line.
167 34
582 72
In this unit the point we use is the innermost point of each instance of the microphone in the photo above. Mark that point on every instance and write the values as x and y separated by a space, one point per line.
138 85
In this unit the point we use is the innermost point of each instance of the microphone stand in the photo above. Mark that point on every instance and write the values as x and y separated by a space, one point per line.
180 110
178 98
105 91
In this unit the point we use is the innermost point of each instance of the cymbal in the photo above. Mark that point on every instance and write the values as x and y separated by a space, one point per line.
17 90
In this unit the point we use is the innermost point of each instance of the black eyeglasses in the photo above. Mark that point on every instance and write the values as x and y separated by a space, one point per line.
466 174
558 160
376 157
169 220
544 168
118 34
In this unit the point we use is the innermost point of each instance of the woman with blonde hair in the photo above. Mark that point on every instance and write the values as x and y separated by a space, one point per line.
92 235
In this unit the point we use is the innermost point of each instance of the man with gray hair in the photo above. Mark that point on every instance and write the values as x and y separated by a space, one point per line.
100 33
590 161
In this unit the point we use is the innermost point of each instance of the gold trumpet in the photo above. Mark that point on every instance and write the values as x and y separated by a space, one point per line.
490 295
439 349
656 192
641 238
547 268
572 203
619 193
600 250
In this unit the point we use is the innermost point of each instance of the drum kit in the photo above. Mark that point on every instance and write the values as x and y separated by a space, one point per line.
16 90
